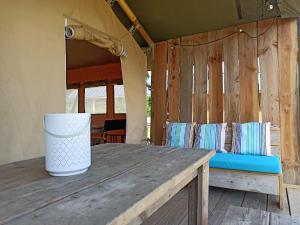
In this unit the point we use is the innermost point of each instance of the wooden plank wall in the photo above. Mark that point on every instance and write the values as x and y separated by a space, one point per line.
214 77
158 97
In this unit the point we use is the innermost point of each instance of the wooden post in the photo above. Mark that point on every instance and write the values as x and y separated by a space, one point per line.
268 58
200 79
173 102
110 101
159 114
81 98
287 56
192 202
249 102
202 204
215 78
231 77
186 79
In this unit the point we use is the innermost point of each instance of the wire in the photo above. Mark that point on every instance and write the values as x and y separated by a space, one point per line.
239 30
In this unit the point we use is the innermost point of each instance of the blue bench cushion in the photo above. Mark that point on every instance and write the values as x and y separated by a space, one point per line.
252 163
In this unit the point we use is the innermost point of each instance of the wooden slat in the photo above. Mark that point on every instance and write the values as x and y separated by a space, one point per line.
173 102
247 181
287 57
249 104
273 204
229 197
255 201
159 93
200 79
231 77
280 219
294 200
268 58
192 202
186 79
238 215
215 78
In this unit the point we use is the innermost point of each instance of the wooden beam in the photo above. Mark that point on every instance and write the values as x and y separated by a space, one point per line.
81 98
173 102
135 21
268 58
94 74
186 79
249 102
200 78
231 76
287 57
215 78
110 101
159 114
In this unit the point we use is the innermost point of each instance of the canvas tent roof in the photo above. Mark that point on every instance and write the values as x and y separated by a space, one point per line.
174 18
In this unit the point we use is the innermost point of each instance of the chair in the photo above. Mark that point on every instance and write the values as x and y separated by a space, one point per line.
114 131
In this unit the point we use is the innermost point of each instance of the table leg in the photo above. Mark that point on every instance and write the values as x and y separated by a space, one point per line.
192 202
202 193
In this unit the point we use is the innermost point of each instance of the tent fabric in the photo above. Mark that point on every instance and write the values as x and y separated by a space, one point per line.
289 8
33 70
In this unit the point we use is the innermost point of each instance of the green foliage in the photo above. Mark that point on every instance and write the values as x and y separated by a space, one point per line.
148 106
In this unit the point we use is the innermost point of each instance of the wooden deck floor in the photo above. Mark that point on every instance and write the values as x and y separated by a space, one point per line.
175 211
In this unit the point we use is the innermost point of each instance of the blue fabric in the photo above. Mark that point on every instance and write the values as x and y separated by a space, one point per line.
251 138
210 136
179 135
252 163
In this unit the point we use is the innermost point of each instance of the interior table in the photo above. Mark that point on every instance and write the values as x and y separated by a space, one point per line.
126 184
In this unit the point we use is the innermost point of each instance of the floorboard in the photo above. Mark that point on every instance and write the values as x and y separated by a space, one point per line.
174 212
245 216
255 201
281 219
294 201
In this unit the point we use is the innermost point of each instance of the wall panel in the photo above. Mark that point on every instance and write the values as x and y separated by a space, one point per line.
186 79
159 112
268 58
215 98
200 78
231 76
249 103
287 56
173 101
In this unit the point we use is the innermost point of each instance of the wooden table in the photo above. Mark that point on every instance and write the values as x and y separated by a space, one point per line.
126 184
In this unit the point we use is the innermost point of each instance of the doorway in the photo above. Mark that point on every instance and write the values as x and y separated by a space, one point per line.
94 84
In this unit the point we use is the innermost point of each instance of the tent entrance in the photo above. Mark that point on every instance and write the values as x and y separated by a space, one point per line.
94 84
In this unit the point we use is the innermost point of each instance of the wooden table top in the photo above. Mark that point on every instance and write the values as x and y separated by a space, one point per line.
125 184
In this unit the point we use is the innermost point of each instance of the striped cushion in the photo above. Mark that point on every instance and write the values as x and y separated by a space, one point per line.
180 135
210 136
251 138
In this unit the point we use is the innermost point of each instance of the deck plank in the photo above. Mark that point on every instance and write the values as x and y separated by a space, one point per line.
228 198
245 216
273 204
255 201
294 201
281 219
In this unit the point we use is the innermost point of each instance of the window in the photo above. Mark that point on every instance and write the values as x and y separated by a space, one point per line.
95 100
120 105
71 101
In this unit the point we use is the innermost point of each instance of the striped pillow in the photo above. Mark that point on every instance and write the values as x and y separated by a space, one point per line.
251 138
180 135
210 136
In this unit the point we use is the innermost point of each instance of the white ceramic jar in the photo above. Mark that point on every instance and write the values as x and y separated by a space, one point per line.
68 143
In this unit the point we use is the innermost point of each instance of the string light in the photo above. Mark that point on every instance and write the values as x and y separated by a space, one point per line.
239 30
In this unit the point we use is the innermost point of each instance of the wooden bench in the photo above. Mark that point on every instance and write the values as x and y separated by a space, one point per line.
267 183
